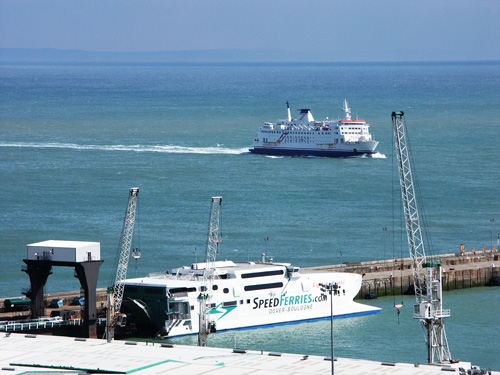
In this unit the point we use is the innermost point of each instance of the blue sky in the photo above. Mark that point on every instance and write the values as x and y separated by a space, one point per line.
333 30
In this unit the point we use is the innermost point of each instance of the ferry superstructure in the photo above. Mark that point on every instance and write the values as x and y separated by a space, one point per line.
305 136
244 295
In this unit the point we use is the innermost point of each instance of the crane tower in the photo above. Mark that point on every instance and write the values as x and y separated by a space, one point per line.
115 302
427 274
214 237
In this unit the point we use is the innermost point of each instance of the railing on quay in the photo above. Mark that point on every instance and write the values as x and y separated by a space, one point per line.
14 326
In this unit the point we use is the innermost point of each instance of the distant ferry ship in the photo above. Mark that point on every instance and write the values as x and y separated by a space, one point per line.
244 295
305 136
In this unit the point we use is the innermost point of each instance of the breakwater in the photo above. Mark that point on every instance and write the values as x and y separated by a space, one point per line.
395 276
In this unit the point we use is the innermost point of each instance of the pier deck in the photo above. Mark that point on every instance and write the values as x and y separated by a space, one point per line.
21 354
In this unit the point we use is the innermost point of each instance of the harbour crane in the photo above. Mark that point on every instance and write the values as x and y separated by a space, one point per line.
115 293
427 273
214 237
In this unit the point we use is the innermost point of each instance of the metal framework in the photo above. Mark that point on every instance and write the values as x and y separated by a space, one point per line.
214 237
121 271
427 275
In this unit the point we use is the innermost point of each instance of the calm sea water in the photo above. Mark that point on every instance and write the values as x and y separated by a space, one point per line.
75 139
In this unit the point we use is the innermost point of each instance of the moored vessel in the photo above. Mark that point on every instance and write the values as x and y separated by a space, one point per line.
305 136
244 295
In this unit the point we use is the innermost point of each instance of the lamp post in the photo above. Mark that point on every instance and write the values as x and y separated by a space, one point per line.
492 220
264 256
385 232
332 289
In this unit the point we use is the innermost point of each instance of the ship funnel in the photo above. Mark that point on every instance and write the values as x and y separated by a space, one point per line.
288 109
305 116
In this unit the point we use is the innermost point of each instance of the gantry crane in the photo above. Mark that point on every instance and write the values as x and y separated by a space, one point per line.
115 293
427 274
214 237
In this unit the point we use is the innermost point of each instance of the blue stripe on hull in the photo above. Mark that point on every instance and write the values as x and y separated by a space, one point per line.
298 152
372 312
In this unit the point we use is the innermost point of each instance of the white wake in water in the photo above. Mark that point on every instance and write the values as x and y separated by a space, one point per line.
169 149
376 155
136 148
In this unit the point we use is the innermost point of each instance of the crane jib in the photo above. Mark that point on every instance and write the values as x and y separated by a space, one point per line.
428 287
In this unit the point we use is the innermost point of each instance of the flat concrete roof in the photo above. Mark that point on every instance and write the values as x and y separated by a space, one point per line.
64 243
25 353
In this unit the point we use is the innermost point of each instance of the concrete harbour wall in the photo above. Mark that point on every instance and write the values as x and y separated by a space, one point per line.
395 276
403 284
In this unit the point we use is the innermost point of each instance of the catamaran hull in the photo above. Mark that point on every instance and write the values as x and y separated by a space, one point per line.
301 301
244 295
279 322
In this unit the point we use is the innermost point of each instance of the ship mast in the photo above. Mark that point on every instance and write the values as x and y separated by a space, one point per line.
347 110
427 274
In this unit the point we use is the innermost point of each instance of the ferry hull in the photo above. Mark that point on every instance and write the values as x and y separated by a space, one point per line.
309 152
244 296
244 318
285 323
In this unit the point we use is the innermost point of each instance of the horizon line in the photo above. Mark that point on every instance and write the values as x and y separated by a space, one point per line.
14 56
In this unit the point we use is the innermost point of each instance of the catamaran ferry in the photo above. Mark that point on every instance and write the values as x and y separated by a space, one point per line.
244 295
305 136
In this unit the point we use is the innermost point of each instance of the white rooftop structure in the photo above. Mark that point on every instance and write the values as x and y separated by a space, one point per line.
21 354
64 251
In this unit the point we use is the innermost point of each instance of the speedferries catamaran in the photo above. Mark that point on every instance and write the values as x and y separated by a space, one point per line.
305 136
244 295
